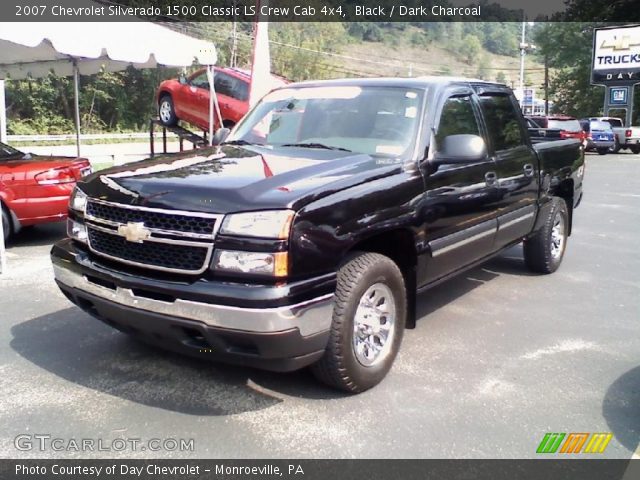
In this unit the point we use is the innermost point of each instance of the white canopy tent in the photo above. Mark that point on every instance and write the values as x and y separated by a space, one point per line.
33 50
84 48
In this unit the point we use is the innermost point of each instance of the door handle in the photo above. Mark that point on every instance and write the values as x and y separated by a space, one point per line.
490 178
528 170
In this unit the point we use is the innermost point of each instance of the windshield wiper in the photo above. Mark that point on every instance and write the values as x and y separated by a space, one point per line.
237 142
314 145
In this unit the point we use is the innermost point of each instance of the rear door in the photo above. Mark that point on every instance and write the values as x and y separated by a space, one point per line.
516 165
459 205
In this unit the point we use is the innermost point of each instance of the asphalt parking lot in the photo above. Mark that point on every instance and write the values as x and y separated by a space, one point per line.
499 357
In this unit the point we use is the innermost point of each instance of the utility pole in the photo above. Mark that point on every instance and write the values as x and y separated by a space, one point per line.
546 85
523 51
234 40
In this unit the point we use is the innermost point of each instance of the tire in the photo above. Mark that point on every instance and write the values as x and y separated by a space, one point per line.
544 251
635 149
6 223
603 151
616 146
344 365
166 112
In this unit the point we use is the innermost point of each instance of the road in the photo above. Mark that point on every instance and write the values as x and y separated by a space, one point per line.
499 357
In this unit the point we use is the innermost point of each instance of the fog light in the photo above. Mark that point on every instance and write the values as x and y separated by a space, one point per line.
76 230
273 264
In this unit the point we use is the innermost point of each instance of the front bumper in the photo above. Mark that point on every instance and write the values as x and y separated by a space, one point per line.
278 338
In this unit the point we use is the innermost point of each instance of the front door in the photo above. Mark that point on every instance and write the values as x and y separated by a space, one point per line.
459 206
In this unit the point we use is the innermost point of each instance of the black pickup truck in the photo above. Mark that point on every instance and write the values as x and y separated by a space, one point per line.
304 238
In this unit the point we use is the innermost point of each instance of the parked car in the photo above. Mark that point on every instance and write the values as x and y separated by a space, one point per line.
569 126
538 134
187 98
625 137
305 238
35 189
600 136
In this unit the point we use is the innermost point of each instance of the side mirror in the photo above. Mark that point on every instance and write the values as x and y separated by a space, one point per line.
182 79
461 149
220 135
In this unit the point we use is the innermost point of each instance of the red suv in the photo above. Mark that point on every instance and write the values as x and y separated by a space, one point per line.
569 126
187 98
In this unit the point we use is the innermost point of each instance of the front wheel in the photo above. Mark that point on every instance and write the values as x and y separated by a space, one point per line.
6 224
167 112
369 314
543 252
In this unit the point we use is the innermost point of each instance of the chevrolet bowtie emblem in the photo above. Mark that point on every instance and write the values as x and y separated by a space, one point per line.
134 232
620 43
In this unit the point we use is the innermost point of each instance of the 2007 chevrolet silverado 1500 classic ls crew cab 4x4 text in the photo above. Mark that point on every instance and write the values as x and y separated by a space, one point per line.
305 237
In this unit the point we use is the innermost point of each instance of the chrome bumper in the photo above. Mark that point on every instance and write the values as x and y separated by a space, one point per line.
310 317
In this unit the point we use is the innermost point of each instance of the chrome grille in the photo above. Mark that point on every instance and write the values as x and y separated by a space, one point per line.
177 241
152 218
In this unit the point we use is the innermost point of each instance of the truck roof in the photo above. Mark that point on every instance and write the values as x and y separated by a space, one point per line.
415 82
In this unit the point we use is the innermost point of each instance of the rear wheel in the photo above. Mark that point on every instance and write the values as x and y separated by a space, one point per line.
544 251
368 324
635 149
166 112
603 151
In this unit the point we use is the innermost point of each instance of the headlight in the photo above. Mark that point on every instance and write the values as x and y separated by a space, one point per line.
268 224
274 264
78 200
76 230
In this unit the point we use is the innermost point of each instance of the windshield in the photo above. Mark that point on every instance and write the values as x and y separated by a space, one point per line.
7 151
614 122
567 125
372 120
600 126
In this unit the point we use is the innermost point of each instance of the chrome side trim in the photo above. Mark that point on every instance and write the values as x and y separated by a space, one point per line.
527 216
310 317
516 216
461 238
207 260
464 242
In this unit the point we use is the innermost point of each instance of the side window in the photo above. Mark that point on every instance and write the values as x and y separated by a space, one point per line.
457 117
200 81
223 84
503 122
240 90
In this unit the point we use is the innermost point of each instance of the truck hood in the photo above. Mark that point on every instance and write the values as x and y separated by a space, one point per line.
232 178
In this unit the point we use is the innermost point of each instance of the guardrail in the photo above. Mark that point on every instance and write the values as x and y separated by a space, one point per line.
83 136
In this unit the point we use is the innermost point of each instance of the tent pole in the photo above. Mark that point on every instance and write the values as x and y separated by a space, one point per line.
3 114
212 93
76 101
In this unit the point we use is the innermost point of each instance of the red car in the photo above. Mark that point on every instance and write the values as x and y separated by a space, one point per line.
35 189
569 126
187 98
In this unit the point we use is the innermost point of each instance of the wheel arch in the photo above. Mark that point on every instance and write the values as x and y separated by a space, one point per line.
565 190
399 245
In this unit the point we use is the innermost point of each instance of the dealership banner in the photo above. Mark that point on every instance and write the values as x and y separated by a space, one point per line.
551 469
616 58
317 10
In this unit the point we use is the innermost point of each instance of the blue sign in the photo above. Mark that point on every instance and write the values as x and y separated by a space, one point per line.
618 95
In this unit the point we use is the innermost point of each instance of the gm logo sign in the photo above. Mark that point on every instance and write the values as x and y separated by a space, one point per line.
573 443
